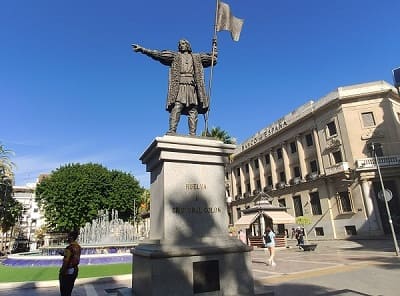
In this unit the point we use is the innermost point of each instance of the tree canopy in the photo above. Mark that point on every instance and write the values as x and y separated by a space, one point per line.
6 165
10 209
73 194
219 134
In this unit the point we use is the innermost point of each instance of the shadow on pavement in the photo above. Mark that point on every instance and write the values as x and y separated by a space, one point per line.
308 290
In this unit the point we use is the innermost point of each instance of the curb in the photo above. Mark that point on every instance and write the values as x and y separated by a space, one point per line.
55 283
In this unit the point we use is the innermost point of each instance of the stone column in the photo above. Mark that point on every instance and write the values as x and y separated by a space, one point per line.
318 149
234 189
331 195
369 205
286 167
242 179
252 169
262 220
302 156
273 168
262 164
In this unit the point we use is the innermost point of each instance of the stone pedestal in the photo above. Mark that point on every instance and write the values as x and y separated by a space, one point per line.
189 251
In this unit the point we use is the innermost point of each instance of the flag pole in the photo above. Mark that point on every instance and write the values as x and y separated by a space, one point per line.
214 43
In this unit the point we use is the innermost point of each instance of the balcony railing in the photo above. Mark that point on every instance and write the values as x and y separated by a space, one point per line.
337 168
384 161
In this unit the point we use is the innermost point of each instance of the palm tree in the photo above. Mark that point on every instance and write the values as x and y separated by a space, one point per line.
10 208
219 134
6 165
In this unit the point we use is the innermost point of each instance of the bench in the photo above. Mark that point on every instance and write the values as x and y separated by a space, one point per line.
257 241
310 247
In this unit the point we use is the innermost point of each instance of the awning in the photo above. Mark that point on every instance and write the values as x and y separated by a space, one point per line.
246 220
280 217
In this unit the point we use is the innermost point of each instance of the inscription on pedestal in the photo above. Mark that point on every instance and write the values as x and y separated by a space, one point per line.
206 276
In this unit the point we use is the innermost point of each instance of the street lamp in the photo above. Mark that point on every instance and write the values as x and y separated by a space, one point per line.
373 147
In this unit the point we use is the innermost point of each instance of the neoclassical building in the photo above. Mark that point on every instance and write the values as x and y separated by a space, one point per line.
317 162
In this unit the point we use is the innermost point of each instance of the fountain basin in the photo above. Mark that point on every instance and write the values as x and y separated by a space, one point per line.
22 260
91 255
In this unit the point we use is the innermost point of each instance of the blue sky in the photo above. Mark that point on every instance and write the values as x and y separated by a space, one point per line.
72 90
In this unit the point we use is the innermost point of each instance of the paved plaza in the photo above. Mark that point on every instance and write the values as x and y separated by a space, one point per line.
335 268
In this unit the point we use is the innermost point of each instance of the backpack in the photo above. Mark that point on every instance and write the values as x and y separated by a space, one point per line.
267 239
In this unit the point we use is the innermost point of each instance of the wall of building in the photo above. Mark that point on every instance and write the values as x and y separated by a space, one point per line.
319 148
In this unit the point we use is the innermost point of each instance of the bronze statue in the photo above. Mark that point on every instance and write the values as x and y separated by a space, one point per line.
186 90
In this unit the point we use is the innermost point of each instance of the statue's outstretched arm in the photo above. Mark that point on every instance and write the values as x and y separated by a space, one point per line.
137 48
165 57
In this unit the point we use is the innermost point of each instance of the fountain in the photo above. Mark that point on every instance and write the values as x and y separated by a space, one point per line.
103 241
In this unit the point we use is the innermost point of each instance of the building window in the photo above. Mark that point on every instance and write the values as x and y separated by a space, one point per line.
319 231
238 213
368 119
309 140
337 156
398 116
293 147
279 153
247 167
258 185
313 166
315 203
282 202
248 189
230 218
296 171
350 229
298 208
256 165
267 159
344 202
378 151
239 190
269 180
238 172
331 129
282 177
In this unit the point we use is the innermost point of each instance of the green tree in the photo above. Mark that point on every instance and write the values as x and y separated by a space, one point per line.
219 134
10 209
73 194
144 206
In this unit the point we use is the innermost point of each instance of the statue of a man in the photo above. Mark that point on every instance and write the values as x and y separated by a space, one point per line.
186 90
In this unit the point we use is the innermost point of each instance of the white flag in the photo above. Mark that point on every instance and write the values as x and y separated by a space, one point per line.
228 22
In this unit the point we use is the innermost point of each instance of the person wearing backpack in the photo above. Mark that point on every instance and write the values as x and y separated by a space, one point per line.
69 269
269 243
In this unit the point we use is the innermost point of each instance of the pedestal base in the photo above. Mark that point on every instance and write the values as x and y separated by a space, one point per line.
164 269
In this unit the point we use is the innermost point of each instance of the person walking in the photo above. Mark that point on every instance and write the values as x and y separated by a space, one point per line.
69 269
269 243
299 237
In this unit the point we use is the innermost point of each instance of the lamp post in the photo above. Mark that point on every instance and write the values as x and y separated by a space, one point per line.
373 147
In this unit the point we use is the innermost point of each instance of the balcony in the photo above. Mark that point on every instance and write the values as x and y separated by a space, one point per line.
295 181
384 161
340 167
280 185
312 176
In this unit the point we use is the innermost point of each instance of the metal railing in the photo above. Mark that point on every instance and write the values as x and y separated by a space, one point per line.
384 161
